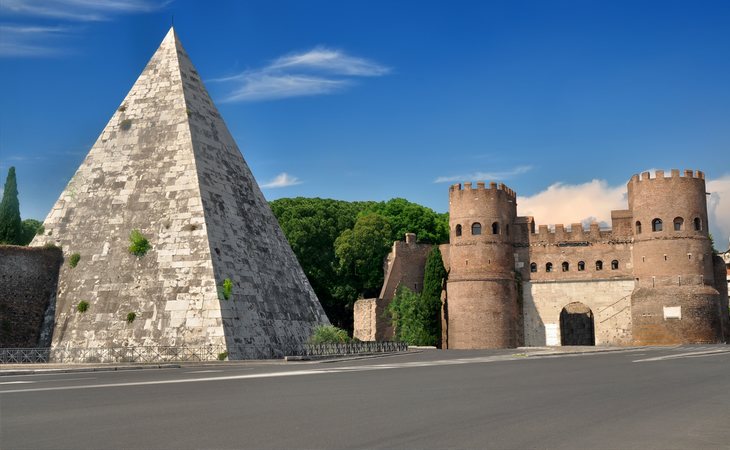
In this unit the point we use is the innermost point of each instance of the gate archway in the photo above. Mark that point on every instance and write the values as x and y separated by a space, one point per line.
576 325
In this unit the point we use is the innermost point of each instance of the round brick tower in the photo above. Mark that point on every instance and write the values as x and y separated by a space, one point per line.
481 292
674 300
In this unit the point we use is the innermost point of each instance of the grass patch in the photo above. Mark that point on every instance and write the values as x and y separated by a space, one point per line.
83 306
131 316
222 356
74 259
139 245
329 334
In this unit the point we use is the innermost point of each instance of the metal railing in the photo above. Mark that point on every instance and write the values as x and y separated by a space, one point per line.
155 354
353 348
109 354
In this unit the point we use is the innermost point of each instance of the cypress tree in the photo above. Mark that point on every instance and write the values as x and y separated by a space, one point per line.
10 228
433 277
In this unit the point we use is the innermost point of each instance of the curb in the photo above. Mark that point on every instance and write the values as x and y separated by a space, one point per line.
11 372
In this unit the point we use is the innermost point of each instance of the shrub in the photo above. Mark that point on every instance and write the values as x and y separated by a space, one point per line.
222 356
82 306
139 245
329 334
48 245
227 288
73 260
131 316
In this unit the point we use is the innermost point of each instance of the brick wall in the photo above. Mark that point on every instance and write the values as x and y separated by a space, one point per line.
28 279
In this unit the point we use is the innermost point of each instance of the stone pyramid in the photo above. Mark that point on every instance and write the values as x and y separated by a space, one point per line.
166 165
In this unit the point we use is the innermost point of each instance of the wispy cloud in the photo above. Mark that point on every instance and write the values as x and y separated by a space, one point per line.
315 72
29 40
79 10
282 180
32 40
496 176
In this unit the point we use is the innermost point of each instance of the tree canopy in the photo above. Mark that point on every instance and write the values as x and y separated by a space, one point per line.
10 225
342 245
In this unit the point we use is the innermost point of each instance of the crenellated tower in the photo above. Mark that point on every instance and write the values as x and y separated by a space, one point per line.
675 300
482 296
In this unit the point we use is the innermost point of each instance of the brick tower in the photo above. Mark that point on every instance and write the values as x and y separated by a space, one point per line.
482 298
675 300
166 165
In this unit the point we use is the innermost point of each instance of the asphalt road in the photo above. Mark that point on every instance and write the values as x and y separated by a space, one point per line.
652 398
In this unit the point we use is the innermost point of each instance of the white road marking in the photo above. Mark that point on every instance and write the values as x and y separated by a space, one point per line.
17 382
345 369
205 371
698 354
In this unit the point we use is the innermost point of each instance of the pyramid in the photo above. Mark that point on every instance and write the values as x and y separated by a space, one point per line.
166 165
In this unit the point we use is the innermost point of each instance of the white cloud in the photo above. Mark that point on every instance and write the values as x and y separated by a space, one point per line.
78 10
503 175
315 72
262 86
29 40
282 180
568 203
333 61
594 201
718 210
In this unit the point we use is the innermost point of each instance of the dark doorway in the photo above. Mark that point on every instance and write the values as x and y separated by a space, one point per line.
576 325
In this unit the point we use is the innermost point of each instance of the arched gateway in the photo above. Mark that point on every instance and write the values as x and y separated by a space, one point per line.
576 325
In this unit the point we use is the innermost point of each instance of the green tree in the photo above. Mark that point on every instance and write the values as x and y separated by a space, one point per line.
433 278
311 225
361 251
10 225
416 317
29 228
407 317
407 217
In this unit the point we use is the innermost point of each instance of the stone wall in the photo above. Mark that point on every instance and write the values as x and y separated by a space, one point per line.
404 266
365 322
609 300
28 278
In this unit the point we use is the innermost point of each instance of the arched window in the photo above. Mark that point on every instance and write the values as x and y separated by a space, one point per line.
614 265
678 224
638 227
458 230
581 266
599 265
506 229
476 228
549 267
656 225
495 228
698 224
566 266
533 267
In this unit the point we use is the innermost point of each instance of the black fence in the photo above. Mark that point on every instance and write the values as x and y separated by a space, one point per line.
188 354
110 354
353 348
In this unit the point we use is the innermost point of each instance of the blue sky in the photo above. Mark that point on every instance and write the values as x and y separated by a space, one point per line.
369 100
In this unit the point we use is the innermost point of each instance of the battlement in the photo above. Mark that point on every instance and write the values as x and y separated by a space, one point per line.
576 234
674 173
481 186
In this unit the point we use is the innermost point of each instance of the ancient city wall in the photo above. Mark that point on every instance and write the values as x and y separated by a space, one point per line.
404 266
28 279
609 300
